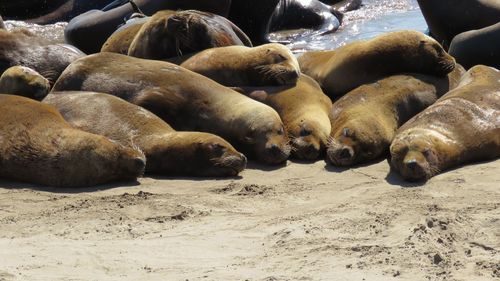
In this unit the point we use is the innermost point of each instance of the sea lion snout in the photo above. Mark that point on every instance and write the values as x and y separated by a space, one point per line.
415 167
304 149
236 163
341 155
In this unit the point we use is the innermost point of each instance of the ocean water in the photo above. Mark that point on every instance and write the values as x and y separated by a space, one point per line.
373 18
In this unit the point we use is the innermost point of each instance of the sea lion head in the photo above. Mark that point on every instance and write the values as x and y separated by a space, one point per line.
414 155
196 31
24 81
306 140
196 153
355 143
274 65
266 140
432 58
216 157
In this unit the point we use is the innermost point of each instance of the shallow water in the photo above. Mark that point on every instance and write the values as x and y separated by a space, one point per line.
374 18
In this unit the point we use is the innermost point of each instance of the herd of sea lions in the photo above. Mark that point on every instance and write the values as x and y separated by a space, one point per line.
196 87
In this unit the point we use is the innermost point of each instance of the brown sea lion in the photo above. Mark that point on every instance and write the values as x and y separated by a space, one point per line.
120 40
2 24
38 146
341 70
168 33
462 126
24 81
304 109
167 151
89 30
21 47
235 66
184 99
365 120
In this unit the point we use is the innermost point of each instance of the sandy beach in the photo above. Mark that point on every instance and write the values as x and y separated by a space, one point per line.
300 222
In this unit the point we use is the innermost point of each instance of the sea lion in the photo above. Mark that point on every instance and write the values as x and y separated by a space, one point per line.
344 5
89 31
24 81
167 152
184 99
448 18
461 127
365 120
21 47
38 146
477 47
235 66
167 34
258 18
341 70
120 40
304 109
47 12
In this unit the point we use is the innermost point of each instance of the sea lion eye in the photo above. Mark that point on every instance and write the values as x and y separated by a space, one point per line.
216 148
280 58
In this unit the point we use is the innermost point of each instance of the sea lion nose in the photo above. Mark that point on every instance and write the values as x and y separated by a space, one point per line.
345 153
243 158
139 164
275 150
411 164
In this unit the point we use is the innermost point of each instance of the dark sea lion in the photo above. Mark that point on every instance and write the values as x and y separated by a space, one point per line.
47 12
344 5
304 109
21 47
167 152
477 47
341 70
184 99
462 126
38 146
89 31
24 81
167 34
365 120
448 18
259 17
235 66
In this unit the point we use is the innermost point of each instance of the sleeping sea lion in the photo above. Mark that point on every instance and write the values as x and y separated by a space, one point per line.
167 34
184 99
24 81
462 126
38 146
235 66
167 152
89 30
21 47
304 109
341 70
365 120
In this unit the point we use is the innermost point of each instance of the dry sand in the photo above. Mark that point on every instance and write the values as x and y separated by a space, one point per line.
300 222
